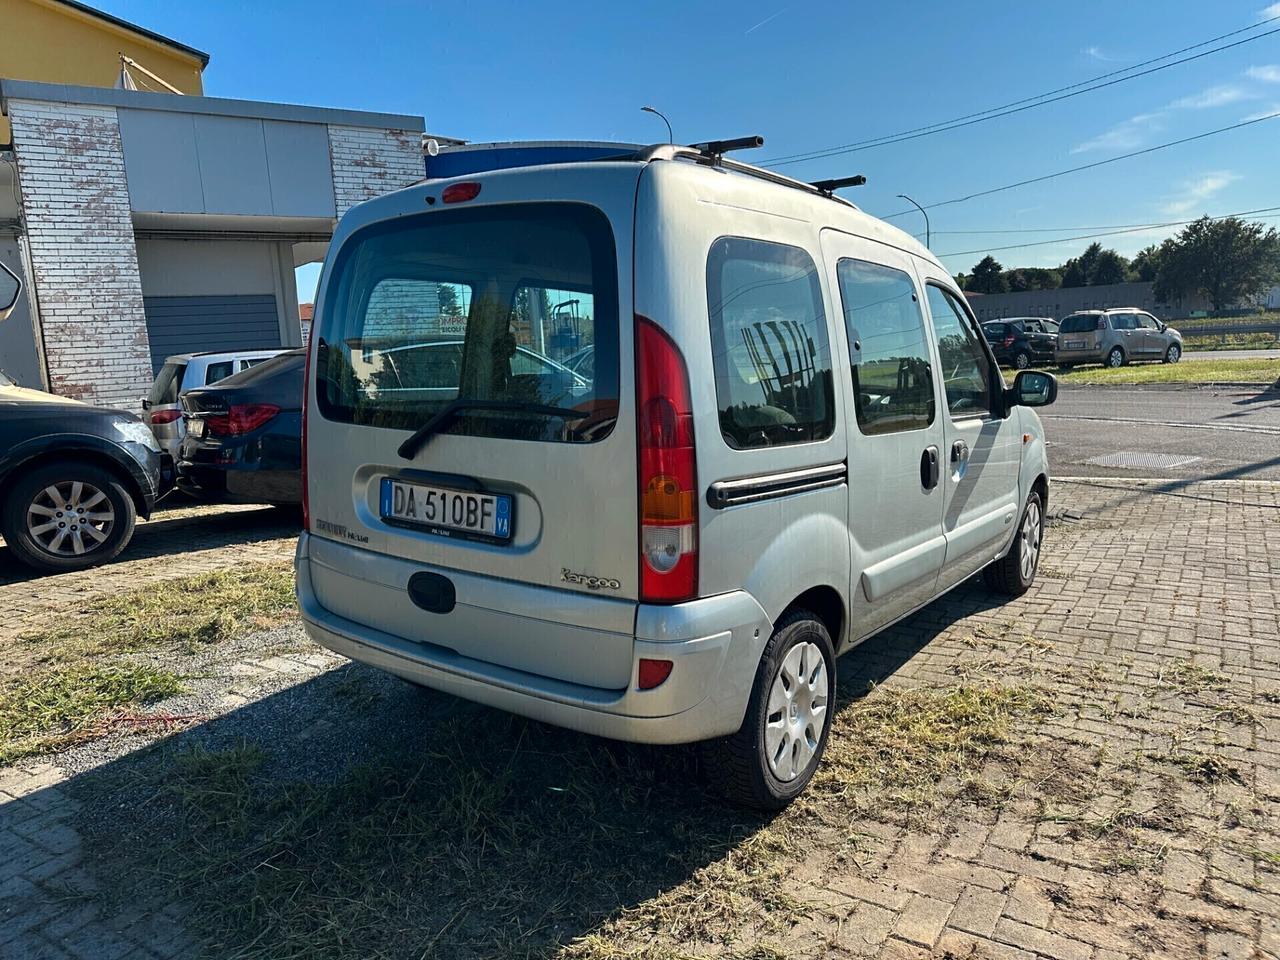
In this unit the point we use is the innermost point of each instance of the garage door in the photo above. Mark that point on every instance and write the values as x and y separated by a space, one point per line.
202 324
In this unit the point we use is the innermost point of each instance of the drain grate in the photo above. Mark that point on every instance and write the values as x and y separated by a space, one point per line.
1144 461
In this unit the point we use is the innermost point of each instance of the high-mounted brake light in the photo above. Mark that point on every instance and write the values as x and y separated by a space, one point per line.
240 418
666 458
165 416
460 192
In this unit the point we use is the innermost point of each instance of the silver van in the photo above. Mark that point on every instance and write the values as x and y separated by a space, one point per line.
791 436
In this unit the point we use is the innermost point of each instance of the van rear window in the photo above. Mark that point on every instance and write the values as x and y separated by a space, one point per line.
491 305
167 383
769 344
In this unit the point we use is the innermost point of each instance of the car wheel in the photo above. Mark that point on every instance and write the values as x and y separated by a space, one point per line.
1115 358
67 516
1021 360
1173 354
1014 573
772 757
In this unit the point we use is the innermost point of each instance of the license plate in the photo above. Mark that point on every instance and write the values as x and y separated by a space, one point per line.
1075 344
447 511
195 428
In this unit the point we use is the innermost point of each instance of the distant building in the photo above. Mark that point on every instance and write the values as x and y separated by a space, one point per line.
306 312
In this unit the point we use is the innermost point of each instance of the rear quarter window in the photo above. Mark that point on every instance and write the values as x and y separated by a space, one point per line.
164 390
1081 324
770 350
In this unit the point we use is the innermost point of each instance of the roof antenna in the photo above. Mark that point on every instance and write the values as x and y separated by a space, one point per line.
658 113
829 187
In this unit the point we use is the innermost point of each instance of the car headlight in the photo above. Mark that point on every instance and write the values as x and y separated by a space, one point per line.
134 431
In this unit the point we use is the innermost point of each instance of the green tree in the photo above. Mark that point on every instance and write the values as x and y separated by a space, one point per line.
1074 273
988 276
1108 267
1043 279
449 306
1145 265
1227 260
1018 280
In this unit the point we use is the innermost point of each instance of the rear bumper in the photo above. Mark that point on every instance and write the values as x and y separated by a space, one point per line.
714 643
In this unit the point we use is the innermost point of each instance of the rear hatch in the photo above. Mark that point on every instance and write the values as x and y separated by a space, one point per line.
1080 332
447 432
164 412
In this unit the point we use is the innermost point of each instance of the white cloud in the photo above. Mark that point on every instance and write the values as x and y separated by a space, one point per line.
1218 96
1096 53
1270 111
1267 74
1124 136
1193 193
1271 11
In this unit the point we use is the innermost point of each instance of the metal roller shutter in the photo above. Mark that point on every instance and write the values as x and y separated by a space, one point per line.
200 324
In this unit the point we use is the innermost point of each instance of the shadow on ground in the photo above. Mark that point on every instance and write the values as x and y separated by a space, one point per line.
172 532
353 815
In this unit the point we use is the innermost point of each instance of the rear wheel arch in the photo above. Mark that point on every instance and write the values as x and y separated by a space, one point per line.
95 458
1041 486
825 603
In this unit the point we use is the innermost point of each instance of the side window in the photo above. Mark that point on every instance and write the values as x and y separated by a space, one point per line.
219 371
769 344
1146 322
966 374
892 377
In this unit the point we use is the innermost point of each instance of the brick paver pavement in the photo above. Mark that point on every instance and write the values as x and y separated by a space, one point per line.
1155 625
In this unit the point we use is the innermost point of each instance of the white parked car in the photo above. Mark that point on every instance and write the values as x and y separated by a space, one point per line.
184 372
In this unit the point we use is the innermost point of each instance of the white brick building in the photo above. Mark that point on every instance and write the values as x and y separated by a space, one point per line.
151 224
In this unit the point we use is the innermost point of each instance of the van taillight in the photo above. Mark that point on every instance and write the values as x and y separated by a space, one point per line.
1008 341
668 482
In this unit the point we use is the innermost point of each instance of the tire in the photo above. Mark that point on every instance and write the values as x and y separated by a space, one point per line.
1173 354
1021 360
1010 575
101 496
739 765
1115 358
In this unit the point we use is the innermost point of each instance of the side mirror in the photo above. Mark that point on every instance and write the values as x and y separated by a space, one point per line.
1163 326
1032 388
146 404
10 288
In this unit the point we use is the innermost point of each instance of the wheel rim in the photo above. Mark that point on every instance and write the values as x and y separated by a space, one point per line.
1174 354
797 711
1116 358
1021 361
1029 535
70 518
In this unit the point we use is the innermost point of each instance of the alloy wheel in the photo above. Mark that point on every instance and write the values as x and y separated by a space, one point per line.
1175 353
70 518
796 711
1022 361
1115 358
1029 537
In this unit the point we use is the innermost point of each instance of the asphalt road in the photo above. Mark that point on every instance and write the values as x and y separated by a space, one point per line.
1218 433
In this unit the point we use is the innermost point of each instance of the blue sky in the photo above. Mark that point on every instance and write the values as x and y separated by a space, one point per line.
806 76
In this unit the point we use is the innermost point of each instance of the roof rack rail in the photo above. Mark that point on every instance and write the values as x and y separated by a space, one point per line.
712 153
829 187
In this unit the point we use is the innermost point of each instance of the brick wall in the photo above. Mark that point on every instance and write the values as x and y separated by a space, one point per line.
85 265
368 162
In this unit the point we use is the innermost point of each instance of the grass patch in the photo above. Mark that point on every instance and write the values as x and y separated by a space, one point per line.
1189 371
58 707
486 835
187 612
1231 341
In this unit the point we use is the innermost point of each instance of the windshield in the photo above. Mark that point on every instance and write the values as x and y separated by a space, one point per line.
1079 323
486 304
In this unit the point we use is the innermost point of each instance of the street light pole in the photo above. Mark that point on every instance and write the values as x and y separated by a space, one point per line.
927 235
658 113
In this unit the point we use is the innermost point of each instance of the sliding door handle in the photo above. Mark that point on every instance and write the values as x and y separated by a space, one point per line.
959 452
929 469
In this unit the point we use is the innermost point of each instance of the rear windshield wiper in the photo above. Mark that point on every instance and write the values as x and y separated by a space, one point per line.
409 449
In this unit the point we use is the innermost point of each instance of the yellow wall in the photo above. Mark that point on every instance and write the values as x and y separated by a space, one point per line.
48 41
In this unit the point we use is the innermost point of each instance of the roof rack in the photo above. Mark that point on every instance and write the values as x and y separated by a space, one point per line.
712 153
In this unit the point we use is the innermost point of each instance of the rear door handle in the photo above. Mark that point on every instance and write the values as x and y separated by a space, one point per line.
929 470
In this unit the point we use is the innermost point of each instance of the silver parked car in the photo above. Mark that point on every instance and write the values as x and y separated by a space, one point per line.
1116 336
793 436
